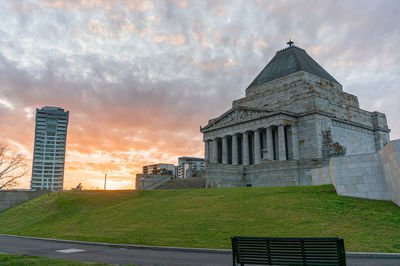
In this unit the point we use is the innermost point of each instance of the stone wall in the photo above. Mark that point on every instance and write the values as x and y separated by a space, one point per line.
290 94
309 137
297 92
219 175
357 140
321 176
10 198
305 168
311 99
302 92
150 181
359 176
373 175
390 158
265 174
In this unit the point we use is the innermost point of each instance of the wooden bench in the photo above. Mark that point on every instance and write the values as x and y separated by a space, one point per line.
288 251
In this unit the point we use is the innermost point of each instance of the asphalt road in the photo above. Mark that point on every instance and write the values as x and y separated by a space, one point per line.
138 256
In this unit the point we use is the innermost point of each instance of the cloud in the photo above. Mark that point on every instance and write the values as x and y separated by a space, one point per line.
96 4
140 77
6 104
174 39
182 3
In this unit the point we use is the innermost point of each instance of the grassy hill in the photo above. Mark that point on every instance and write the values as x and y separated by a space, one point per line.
208 217
22 260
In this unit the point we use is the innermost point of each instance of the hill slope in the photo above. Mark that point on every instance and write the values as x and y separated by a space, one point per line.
208 217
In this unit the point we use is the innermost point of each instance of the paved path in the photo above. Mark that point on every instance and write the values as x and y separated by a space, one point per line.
140 255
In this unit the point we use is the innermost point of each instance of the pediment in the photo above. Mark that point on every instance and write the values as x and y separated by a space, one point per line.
236 115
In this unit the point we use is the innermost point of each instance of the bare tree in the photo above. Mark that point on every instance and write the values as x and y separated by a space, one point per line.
12 167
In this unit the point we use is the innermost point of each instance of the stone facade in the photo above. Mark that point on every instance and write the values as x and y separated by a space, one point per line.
265 174
390 159
359 176
11 198
373 175
150 181
292 120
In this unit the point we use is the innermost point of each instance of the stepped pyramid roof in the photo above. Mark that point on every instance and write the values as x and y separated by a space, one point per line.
288 61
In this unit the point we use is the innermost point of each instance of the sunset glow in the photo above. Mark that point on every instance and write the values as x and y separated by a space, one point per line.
140 77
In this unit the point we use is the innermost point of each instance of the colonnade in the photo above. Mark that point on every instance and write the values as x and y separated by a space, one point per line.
251 146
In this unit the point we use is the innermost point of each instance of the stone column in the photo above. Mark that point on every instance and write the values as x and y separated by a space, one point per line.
281 143
245 149
294 142
206 151
257 147
225 150
214 153
270 144
235 155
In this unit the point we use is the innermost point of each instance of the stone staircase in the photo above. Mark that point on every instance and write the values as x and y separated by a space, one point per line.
194 182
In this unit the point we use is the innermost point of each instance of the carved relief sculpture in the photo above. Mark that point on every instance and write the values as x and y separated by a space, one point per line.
330 149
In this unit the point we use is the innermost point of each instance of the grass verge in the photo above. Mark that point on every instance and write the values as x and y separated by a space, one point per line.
22 260
206 218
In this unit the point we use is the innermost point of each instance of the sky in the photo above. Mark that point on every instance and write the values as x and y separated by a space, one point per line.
140 77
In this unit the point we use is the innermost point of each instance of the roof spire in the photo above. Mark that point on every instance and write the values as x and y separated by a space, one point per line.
290 43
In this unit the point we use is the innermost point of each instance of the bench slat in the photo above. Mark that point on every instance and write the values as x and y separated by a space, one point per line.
288 251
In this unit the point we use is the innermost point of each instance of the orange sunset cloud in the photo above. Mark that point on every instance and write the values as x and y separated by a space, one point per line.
140 77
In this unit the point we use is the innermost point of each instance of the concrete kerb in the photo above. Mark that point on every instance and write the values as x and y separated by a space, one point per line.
373 255
128 246
194 250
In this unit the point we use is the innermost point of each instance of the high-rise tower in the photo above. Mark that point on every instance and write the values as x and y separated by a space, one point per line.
49 150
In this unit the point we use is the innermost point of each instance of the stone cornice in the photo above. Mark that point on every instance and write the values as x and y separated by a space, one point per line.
213 124
343 121
300 74
210 127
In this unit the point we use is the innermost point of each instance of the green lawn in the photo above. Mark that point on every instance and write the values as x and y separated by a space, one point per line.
22 260
208 217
